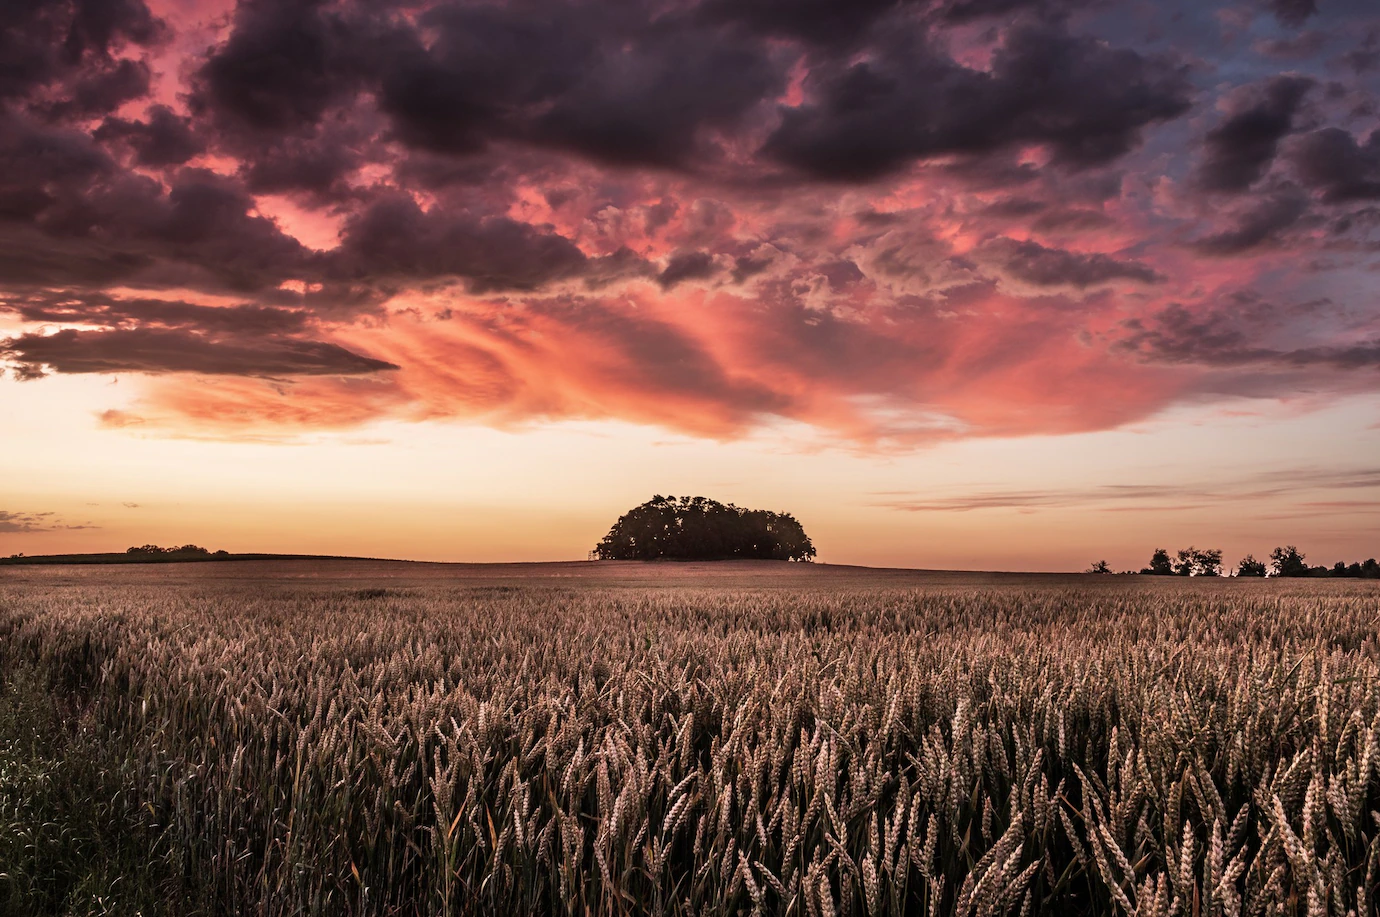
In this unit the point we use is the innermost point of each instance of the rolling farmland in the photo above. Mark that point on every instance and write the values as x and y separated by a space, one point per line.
744 738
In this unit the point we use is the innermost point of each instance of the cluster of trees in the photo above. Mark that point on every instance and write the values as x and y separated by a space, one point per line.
184 549
696 528
1284 561
1290 561
1190 561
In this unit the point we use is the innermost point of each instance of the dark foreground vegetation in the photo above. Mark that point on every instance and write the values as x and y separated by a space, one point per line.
1011 746
73 838
695 528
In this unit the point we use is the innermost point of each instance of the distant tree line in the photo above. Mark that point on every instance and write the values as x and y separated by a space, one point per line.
696 528
1284 561
183 549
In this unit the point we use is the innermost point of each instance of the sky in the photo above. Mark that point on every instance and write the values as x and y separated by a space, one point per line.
979 284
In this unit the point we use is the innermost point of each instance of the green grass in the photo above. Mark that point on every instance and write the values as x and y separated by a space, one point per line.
73 839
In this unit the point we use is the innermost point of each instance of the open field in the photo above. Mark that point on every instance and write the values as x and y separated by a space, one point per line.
342 737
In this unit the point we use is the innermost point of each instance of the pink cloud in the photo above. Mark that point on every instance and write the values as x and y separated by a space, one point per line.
892 226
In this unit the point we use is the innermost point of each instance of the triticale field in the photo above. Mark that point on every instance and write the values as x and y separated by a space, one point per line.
351 738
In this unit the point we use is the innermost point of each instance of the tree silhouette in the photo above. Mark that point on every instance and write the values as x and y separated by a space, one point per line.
1183 563
155 549
1190 561
1249 566
1160 564
696 528
1288 561
1100 566
1202 561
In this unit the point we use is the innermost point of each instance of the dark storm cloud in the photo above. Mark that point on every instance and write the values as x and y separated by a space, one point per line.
1261 225
840 24
284 64
1292 13
1048 267
1177 334
1331 161
1087 101
45 43
649 104
282 93
1230 336
1239 151
686 266
318 164
70 215
150 350
165 139
598 81
40 166
586 163
395 239
205 221
819 22
102 89
748 266
624 86
101 310
841 274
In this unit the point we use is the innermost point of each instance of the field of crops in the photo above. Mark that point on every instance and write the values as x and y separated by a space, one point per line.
684 739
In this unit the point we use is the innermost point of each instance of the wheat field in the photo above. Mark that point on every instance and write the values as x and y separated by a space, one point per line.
712 740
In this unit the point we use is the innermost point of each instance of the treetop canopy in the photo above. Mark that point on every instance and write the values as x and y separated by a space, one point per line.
696 528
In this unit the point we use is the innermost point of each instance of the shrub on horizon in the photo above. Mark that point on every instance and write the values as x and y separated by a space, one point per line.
696 528
155 549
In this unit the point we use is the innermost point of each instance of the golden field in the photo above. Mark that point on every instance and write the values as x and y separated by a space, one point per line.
737 738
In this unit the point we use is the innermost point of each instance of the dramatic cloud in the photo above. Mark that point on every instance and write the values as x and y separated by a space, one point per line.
1293 12
61 57
1048 267
109 312
1332 161
69 215
1244 333
1086 101
165 139
1260 224
394 239
1240 149
893 221
148 350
